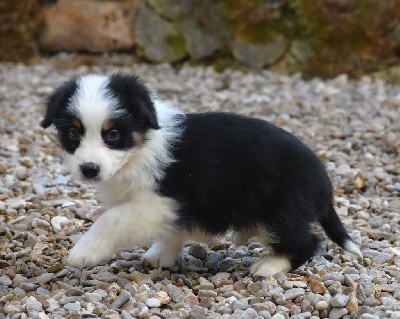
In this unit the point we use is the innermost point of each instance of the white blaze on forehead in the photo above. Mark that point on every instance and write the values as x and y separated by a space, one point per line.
93 103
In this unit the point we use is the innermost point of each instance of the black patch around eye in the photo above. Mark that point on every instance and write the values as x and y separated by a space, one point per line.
64 127
124 141
124 128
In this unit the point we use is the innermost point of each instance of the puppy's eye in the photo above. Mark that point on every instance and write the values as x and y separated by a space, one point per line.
112 135
73 134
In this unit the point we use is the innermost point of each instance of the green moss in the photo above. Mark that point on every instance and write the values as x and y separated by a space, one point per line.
255 21
222 59
350 36
391 74
20 21
176 41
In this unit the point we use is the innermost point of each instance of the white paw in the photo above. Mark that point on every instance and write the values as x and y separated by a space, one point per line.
270 266
88 253
352 247
160 255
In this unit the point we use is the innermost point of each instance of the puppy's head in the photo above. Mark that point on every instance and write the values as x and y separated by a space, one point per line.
100 121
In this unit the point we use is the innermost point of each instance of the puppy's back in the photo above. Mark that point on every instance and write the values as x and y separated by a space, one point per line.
234 171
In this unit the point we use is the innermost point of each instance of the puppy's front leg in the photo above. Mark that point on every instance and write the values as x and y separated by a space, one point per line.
165 251
120 228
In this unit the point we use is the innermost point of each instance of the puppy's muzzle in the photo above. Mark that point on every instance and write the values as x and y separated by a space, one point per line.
90 170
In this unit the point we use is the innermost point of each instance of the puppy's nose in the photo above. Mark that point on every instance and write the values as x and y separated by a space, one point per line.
90 170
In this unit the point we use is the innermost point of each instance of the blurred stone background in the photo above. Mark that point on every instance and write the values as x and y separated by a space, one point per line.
317 37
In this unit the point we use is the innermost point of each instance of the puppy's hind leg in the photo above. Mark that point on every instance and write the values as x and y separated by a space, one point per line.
242 237
294 244
270 266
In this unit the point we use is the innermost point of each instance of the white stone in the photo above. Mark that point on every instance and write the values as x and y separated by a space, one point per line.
57 222
15 203
153 302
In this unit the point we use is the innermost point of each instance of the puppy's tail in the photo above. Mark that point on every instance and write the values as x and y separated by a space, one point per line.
335 230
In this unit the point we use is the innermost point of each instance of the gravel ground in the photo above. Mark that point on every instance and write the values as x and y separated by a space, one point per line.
354 126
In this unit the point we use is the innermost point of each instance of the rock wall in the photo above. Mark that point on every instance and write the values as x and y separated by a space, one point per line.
89 26
317 37
18 24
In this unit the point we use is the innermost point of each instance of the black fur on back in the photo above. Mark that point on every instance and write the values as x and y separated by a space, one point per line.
234 172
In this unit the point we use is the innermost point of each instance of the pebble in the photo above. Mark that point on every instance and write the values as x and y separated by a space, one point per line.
44 279
381 258
40 223
198 251
153 302
52 305
221 278
214 258
123 297
321 305
197 311
306 306
317 286
299 284
352 305
55 268
163 297
5 281
249 260
239 304
15 203
287 285
394 314
28 287
39 185
72 306
105 276
337 313
249 313
339 301
32 304
74 292
294 293
192 262
92 297
334 276
176 294
57 221
52 202
207 293
68 204
225 264
126 315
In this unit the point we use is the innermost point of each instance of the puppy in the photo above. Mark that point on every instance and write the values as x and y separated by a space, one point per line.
166 176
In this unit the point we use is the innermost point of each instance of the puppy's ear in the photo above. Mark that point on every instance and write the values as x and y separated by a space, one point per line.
134 97
57 102
148 112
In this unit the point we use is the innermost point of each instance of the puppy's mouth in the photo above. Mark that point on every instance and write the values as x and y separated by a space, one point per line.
96 179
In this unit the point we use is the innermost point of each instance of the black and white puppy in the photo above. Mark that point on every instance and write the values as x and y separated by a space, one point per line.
168 177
